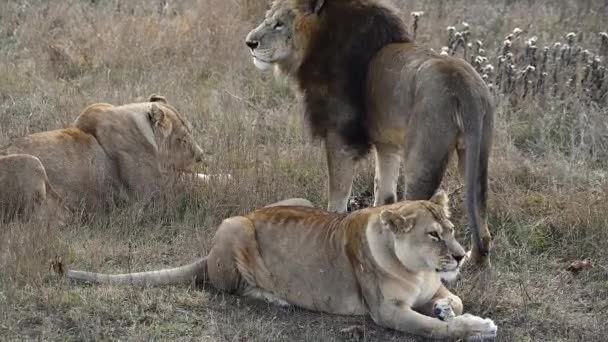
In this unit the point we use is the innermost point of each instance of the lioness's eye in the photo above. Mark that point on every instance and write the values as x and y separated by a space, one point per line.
278 25
434 235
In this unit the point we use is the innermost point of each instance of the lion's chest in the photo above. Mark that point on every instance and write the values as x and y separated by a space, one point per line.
429 284
409 291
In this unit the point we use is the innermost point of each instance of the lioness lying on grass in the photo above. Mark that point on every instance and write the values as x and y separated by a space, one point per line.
111 152
386 261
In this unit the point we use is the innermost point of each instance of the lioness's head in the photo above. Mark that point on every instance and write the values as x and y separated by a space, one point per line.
284 34
173 134
424 236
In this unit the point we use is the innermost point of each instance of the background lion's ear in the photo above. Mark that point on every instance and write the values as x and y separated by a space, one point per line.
441 198
156 115
315 6
396 222
157 98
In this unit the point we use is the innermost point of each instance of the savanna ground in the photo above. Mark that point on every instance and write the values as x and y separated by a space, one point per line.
548 177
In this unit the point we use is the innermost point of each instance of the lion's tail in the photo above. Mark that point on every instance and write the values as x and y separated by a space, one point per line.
478 110
196 271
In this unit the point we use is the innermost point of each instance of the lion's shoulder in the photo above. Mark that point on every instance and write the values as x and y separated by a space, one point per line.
89 118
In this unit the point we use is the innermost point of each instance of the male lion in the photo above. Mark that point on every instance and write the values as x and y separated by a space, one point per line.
113 152
366 83
386 261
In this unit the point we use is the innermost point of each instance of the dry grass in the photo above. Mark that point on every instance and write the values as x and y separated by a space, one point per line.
548 178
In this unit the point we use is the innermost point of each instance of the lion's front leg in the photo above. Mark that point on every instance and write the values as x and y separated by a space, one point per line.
341 163
405 319
444 305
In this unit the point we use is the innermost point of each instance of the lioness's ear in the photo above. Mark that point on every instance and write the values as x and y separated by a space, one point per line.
156 115
157 98
315 6
396 222
441 198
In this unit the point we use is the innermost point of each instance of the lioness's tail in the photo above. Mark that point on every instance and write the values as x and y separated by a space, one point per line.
478 111
196 271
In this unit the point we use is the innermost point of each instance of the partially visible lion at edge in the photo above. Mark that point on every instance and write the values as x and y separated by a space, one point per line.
25 191
366 83
112 153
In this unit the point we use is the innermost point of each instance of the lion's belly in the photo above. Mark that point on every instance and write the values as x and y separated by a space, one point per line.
309 269
317 289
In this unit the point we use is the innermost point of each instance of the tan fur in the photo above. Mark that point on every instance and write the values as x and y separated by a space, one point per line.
113 152
405 101
386 262
26 191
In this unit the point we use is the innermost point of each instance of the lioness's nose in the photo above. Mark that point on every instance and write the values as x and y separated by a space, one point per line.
253 44
458 258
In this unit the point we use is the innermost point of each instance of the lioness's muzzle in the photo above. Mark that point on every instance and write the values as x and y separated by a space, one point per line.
252 44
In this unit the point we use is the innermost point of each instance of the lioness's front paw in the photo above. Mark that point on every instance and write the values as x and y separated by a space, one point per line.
354 333
442 309
474 328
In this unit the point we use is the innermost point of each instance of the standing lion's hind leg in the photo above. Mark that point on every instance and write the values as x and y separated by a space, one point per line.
461 152
427 156
388 160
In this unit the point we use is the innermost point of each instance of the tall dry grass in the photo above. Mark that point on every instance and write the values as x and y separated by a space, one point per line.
547 174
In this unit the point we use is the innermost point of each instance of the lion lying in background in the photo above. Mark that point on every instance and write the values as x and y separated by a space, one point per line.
386 262
111 152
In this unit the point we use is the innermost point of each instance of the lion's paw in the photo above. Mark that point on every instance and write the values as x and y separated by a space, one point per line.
354 333
475 328
443 310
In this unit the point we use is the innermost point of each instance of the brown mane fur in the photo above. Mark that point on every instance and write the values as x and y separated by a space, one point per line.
334 69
